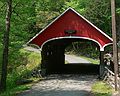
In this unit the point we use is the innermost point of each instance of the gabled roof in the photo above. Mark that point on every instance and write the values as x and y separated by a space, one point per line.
71 20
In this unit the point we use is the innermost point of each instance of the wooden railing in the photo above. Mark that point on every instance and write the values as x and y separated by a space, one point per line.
109 78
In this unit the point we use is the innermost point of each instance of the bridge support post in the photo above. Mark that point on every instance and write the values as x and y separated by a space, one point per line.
43 63
101 72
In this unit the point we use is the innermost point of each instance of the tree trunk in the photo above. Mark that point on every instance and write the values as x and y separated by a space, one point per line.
6 46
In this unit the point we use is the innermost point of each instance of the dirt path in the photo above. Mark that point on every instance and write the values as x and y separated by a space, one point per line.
62 85
75 59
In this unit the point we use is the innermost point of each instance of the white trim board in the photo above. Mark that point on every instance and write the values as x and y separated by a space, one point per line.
75 37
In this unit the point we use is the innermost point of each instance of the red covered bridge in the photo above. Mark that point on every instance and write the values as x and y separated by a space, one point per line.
70 26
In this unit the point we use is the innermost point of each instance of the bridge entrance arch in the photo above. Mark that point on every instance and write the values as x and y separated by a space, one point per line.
66 28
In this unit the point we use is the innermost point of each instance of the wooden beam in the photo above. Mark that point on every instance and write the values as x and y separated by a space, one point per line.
115 52
101 64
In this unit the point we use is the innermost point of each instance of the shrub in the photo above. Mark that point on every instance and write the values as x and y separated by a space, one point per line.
24 68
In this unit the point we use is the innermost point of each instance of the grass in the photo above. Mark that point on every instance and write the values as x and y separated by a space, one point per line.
66 62
100 88
33 59
15 91
20 88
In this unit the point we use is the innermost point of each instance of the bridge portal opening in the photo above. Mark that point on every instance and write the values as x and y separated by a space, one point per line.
54 53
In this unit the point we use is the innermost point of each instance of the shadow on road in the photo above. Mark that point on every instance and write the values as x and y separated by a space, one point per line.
63 85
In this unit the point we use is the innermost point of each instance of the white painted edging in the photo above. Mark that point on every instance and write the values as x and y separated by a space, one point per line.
76 37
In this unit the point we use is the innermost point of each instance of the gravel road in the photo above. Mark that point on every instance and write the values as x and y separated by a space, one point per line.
63 85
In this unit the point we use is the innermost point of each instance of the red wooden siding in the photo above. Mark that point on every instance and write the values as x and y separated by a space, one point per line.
71 21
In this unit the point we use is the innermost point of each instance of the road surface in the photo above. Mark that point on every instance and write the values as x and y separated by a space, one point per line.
63 85
75 59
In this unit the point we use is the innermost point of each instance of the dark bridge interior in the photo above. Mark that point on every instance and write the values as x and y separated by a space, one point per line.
53 59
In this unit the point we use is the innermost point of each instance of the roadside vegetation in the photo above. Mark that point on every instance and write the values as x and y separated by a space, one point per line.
15 91
20 78
100 88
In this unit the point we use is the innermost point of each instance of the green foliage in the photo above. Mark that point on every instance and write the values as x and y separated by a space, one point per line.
78 5
23 70
98 12
2 21
118 10
22 27
47 10
0 59
101 89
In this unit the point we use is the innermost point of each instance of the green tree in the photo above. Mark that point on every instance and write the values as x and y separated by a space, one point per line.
47 11
98 12
6 46
22 28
